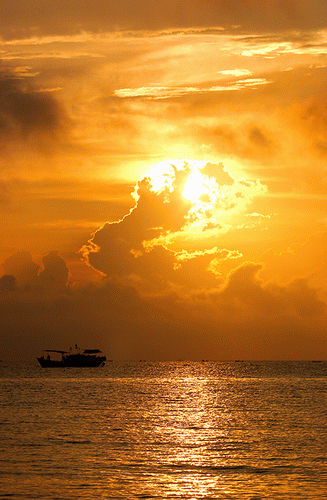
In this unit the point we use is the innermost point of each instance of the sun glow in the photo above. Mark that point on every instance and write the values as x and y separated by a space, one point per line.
162 175
195 187
198 187
217 200
201 190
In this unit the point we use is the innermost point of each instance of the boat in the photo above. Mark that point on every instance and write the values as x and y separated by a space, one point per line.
89 358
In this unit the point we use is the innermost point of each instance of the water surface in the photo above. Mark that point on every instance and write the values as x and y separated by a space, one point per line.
180 430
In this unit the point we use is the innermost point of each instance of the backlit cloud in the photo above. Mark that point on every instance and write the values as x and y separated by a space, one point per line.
170 92
176 203
235 72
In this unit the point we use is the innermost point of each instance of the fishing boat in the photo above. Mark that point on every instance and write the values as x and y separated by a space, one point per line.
89 358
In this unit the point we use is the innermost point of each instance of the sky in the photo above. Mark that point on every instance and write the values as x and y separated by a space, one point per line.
163 178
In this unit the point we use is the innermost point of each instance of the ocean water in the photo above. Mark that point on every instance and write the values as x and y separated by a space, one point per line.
179 430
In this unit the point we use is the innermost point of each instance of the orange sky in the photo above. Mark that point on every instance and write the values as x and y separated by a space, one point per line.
163 178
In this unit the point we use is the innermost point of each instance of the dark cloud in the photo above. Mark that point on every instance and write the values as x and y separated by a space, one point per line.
22 267
243 139
259 138
244 318
54 276
28 115
246 294
313 119
4 195
7 283
20 18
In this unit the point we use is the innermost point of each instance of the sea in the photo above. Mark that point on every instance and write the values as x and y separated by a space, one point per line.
164 430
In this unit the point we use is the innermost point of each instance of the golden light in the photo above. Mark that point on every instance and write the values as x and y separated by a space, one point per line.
198 187
162 175
201 190
195 187
217 199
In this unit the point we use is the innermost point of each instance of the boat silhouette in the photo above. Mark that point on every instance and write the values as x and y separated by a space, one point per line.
53 358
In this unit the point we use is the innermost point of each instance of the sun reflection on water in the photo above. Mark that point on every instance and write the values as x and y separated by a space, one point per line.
167 430
194 417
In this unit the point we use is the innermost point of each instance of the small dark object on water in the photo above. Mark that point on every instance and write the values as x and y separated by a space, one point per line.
72 358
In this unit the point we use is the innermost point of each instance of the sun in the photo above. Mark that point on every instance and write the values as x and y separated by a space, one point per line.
204 197
200 190
196 187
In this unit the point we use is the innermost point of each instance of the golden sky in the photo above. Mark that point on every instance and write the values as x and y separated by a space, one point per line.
163 178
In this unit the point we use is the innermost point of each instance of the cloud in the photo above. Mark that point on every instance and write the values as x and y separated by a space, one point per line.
243 317
117 248
246 294
69 16
26 114
4 195
25 56
53 277
292 43
173 92
219 172
299 260
7 283
236 72
22 268
258 138
156 242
